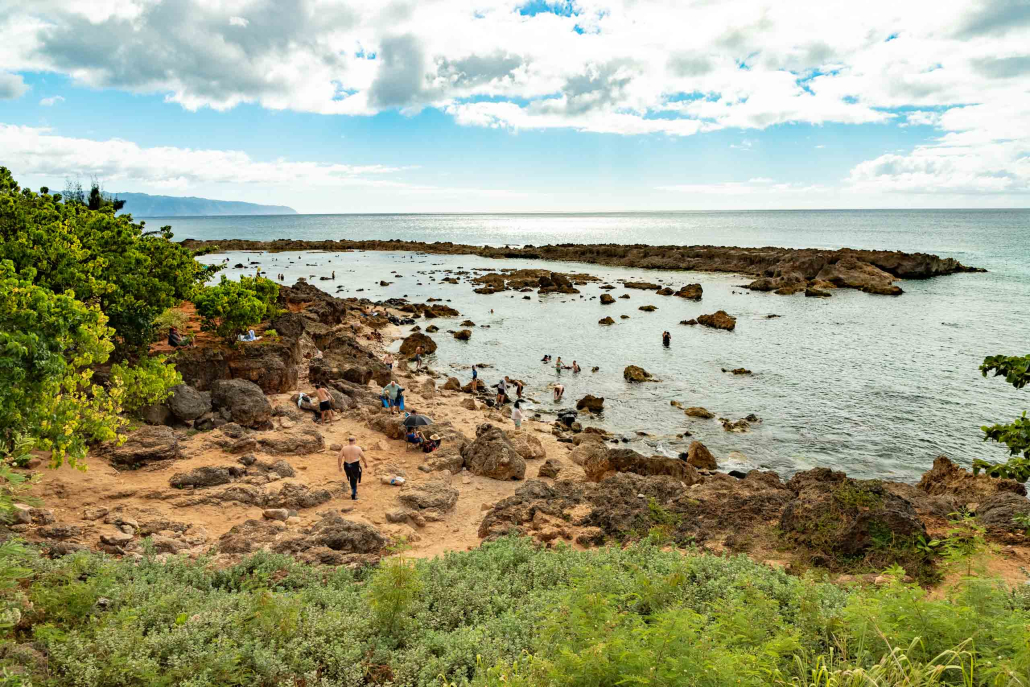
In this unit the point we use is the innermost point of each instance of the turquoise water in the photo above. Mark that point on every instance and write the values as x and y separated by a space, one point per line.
877 386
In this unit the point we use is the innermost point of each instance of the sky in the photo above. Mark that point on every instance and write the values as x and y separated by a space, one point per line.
335 106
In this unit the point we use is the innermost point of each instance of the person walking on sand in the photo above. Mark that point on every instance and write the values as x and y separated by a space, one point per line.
325 403
516 415
388 361
559 391
349 461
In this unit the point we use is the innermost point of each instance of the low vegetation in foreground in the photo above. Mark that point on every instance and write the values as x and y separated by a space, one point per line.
508 613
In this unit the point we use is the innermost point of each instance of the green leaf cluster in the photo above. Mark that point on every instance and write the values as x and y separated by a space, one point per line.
78 283
106 260
1015 435
232 307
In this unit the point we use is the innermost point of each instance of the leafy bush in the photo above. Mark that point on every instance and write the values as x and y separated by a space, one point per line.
232 307
47 344
511 614
150 381
1015 435
172 317
72 247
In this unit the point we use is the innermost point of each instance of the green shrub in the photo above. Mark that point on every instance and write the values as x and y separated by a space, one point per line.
512 614
172 317
232 307
150 381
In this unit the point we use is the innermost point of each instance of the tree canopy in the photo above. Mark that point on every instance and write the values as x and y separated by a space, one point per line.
1015 435
78 286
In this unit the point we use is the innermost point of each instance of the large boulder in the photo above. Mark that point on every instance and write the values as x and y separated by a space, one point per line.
272 365
389 424
452 384
435 495
146 445
528 446
296 497
551 468
463 334
839 518
999 512
690 291
634 373
589 451
186 403
626 460
307 440
592 403
447 458
413 341
207 476
606 299
493 455
718 320
340 534
856 274
700 457
244 400
606 321
946 478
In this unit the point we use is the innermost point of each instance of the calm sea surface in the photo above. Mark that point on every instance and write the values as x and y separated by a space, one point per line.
873 385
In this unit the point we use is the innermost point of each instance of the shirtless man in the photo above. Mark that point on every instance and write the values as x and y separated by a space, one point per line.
418 359
325 403
349 461
559 391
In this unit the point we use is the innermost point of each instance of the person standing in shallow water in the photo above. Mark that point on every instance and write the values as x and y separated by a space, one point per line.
349 461
666 339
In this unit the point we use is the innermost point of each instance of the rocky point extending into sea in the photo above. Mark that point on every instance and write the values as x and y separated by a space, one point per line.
783 270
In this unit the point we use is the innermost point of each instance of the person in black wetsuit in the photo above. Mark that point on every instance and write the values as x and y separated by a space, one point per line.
666 339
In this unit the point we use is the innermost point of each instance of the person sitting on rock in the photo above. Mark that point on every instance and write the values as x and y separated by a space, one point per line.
414 437
431 444
177 340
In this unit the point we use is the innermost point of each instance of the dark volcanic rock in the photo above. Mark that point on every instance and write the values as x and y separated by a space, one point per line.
244 400
718 320
492 455
145 445
606 299
186 403
690 291
604 464
591 403
415 340
834 515
633 373
946 478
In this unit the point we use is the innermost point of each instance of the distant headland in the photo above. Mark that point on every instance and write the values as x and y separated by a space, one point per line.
146 205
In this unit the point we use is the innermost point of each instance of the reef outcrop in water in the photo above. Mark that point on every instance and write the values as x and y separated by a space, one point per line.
782 270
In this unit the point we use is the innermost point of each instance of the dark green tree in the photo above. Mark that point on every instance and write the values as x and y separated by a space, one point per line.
107 260
1015 435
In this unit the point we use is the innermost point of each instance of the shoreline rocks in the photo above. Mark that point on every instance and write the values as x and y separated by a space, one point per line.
718 320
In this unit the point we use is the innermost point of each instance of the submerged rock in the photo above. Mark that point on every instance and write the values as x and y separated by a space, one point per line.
634 373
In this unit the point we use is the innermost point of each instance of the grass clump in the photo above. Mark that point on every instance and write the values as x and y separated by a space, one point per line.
508 613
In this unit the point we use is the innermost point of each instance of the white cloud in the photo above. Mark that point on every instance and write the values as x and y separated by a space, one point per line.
51 101
41 153
11 86
628 67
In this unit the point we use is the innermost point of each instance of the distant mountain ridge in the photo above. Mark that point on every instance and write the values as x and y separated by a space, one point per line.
146 205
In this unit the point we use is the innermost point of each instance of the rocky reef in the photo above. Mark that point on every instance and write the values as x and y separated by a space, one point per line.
783 270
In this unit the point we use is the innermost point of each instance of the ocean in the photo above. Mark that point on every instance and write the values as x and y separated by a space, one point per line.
873 385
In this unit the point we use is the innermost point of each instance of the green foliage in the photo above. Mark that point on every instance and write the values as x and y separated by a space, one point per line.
1016 370
512 614
1015 435
14 556
48 342
232 307
172 317
109 261
271 334
150 381
391 594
